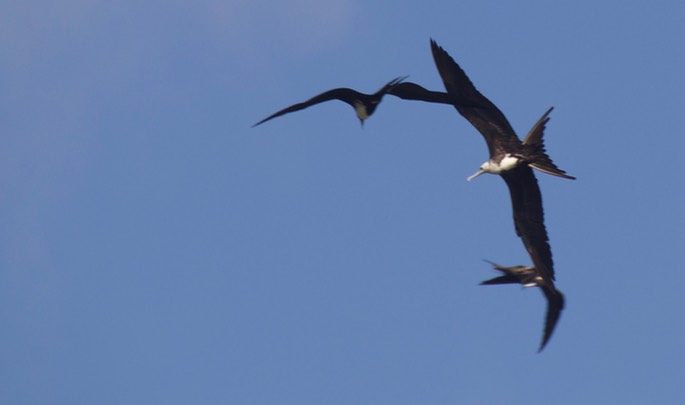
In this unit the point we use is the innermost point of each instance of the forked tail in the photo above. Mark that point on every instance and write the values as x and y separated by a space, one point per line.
535 144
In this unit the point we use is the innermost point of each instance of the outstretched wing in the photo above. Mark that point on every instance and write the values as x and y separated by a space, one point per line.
505 279
472 105
412 91
555 303
343 94
529 220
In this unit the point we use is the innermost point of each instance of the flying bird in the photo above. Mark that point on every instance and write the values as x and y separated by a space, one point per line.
528 277
365 104
509 157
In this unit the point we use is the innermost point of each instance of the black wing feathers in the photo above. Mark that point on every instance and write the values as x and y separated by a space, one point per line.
555 303
534 145
529 218
349 96
343 94
472 105
412 91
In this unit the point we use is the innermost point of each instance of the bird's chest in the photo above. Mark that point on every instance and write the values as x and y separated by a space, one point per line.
361 110
507 162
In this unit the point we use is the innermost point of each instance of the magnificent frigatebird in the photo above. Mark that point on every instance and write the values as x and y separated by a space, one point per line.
365 104
509 157
528 277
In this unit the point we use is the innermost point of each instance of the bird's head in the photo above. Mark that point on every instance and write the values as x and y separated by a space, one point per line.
484 168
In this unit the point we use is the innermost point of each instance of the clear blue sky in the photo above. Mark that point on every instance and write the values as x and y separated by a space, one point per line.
156 249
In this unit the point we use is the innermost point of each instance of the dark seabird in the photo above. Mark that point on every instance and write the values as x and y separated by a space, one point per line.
364 104
509 157
528 277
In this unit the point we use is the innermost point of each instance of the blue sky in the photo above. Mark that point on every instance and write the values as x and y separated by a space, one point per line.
156 249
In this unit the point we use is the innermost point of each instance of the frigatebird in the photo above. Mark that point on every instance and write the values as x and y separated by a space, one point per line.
365 104
509 157
528 277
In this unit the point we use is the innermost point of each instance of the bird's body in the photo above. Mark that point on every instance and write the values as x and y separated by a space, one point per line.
510 158
514 160
529 277
364 104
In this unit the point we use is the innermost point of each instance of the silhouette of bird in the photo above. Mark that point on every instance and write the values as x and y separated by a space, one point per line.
364 104
528 277
512 159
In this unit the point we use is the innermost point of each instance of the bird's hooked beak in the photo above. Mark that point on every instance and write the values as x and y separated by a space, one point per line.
476 174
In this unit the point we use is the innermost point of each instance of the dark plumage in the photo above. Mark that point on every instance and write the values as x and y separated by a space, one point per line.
412 91
491 122
514 161
509 157
364 104
528 277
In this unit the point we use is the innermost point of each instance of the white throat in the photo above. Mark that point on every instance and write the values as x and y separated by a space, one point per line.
360 109
507 163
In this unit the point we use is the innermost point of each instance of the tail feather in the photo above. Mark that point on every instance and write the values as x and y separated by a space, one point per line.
535 134
550 168
535 143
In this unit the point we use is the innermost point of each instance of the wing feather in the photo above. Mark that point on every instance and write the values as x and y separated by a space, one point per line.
555 303
529 220
343 94
412 91
472 105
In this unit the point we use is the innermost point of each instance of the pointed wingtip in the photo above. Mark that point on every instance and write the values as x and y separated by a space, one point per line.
555 304
543 344
262 121
435 48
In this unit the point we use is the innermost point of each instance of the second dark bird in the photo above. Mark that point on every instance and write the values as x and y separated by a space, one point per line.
365 104
528 277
